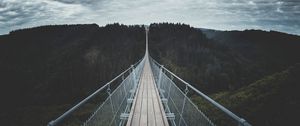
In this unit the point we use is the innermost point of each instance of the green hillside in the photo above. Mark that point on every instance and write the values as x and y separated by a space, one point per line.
271 101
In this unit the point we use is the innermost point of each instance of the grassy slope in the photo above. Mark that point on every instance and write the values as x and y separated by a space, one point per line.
271 101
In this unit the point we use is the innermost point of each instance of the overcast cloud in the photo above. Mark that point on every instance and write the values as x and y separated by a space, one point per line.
280 15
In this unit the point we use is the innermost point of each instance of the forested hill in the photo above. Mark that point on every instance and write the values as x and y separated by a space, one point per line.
222 60
271 101
253 72
49 66
47 69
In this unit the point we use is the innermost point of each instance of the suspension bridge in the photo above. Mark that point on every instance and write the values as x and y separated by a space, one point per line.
148 94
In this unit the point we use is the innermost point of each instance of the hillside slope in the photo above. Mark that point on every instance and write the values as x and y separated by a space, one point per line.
45 70
53 67
271 101
223 60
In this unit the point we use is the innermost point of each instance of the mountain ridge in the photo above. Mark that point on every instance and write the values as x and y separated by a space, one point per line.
53 67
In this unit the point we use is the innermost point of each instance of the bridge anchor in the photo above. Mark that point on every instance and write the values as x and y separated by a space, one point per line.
170 116
129 100
164 100
124 116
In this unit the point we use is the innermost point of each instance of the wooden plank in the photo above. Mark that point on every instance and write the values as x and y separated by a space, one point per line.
161 118
147 109
151 114
144 111
158 117
134 116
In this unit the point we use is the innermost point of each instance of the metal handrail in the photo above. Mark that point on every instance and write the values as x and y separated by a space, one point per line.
78 105
241 121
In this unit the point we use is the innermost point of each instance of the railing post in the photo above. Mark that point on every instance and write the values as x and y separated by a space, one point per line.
110 100
124 87
169 91
186 90
159 77
134 76
108 90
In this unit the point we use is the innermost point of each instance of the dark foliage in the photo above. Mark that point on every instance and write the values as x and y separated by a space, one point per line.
45 70
57 65
232 62
223 60
271 101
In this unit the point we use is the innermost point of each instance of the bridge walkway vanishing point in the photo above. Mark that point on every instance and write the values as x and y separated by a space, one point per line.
145 94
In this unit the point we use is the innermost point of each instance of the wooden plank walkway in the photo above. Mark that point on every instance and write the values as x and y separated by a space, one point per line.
147 109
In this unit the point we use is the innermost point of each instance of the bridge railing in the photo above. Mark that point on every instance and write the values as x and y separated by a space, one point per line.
116 101
176 95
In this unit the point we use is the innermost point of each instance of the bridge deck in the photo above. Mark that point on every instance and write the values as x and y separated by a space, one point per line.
147 108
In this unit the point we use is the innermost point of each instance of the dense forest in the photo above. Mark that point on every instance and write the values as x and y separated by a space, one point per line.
270 101
254 73
223 60
45 70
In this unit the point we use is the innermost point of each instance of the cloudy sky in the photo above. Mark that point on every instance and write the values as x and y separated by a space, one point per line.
280 15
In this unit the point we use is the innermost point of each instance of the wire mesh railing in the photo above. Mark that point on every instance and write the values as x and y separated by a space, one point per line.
113 110
180 109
